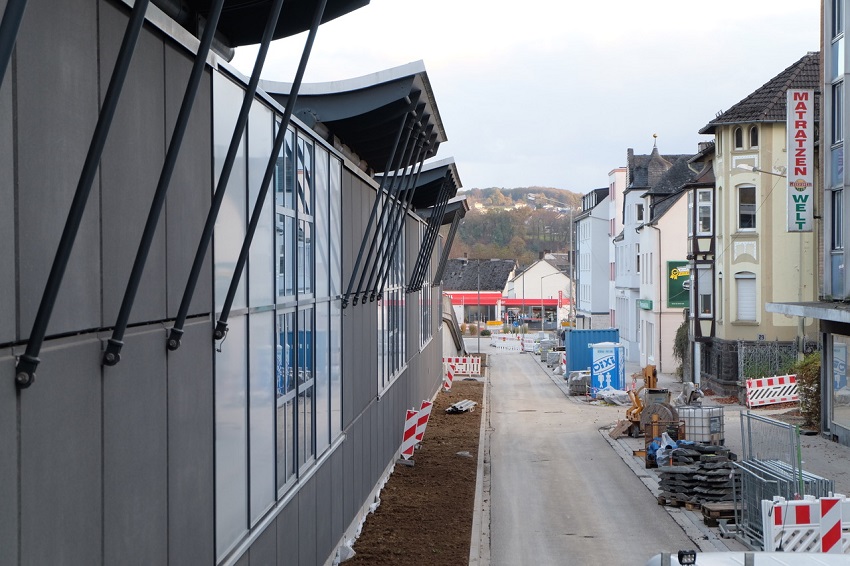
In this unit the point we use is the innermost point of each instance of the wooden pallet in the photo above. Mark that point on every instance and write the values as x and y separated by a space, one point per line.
713 512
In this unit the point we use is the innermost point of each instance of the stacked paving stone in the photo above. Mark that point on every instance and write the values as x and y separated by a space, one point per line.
700 473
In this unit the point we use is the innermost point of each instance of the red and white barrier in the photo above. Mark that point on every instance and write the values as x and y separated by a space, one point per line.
422 420
506 342
807 525
468 365
449 376
408 439
770 390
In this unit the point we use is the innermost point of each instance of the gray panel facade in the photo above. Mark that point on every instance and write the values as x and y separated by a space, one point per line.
129 169
7 213
61 459
135 453
56 62
288 529
8 463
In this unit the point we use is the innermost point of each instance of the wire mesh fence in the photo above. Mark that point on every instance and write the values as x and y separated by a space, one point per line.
770 467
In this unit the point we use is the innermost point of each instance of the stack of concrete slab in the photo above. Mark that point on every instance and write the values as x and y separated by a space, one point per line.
700 474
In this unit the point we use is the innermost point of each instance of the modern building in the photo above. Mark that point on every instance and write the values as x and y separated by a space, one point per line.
592 268
224 382
758 259
829 307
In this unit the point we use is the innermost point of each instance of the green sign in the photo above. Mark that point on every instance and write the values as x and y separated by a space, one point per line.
645 304
678 284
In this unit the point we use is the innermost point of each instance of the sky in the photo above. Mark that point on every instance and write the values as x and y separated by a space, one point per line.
553 93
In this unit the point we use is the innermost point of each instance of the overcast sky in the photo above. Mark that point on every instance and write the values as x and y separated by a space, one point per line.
552 93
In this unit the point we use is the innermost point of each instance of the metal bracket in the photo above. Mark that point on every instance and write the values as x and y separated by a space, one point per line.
112 355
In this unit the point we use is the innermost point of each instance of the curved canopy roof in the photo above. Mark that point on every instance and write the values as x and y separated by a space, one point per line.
242 21
366 112
428 185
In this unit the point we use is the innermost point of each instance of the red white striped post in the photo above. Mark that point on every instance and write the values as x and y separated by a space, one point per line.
408 439
422 420
830 525
450 376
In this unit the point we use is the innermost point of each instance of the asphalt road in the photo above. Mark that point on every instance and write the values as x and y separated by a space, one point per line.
559 494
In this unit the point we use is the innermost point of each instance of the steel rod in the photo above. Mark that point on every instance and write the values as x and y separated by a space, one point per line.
176 333
28 363
9 26
112 355
221 326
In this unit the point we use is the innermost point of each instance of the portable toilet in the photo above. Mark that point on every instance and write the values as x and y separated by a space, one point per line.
608 367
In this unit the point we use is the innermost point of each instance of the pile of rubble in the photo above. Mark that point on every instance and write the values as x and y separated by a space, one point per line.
699 473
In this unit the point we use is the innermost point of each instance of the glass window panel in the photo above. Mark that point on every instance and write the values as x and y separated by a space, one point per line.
305 257
321 376
261 270
336 226
289 246
836 59
837 17
336 368
836 167
231 438
261 412
739 138
840 390
304 176
285 172
232 218
838 112
285 395
322 241
705 288
306 384
754 136
704 212
746 208
838 220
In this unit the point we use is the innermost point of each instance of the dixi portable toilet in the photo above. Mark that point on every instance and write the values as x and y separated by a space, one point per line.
608 368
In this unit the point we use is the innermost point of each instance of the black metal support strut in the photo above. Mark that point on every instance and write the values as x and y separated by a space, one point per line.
112 355
28 362
12 16
221 325
176 333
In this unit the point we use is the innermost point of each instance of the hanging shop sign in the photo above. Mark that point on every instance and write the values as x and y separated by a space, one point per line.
678 283
800 130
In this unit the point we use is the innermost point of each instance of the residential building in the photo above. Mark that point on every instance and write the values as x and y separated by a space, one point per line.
235 416
592 268
663 301
617 183
540 294
757 259
644 172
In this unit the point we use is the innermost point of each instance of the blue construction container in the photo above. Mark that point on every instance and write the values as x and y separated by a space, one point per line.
577 343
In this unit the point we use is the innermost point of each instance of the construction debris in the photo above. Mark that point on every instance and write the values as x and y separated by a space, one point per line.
462 407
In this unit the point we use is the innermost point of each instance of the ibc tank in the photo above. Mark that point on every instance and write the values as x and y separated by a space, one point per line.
703 424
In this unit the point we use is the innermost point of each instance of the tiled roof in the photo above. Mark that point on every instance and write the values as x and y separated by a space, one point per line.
767 103
669 189
647 170
462 274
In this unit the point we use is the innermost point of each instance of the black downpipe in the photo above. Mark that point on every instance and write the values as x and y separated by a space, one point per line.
397 227
221 325
388 233
177 330
28 362
12 16
375 205
389 200
430 236
113 346
419 266
438 275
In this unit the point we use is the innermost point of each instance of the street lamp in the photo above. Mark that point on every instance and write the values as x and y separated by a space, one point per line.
750 168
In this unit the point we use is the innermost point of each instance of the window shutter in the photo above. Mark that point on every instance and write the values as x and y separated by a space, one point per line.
746 298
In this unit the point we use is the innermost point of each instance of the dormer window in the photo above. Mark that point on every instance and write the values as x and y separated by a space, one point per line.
754 136
739 138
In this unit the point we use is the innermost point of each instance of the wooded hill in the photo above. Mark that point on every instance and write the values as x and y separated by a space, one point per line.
502 228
